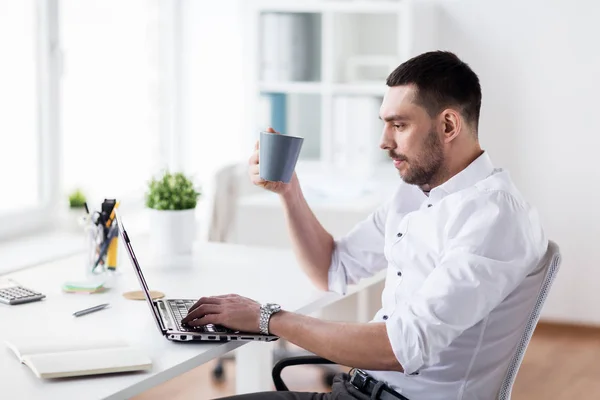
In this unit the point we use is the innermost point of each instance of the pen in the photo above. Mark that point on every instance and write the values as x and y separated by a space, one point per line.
90 310
112 233
112 215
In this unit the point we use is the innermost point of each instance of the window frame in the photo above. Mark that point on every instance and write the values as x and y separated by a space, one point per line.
47 77
49 67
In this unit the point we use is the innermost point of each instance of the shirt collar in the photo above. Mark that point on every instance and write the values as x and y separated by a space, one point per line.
479 169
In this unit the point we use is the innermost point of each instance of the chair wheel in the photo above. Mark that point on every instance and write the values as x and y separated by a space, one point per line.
218 372
328 378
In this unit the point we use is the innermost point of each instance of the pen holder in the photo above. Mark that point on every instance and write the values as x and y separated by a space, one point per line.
102 249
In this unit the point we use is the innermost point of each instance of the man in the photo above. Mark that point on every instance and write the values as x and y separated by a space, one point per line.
458 241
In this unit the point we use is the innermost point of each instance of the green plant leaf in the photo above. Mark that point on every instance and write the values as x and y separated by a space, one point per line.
77 199
171 191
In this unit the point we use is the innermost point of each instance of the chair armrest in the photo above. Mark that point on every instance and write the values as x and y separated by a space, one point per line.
290 361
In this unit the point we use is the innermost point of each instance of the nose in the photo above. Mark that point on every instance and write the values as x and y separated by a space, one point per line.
386 141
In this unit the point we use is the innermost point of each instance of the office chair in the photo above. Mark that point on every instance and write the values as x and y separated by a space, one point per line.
551 263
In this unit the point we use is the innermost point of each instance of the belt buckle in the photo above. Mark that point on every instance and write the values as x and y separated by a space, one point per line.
359 379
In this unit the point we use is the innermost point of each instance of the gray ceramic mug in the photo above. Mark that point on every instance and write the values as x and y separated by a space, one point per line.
278 155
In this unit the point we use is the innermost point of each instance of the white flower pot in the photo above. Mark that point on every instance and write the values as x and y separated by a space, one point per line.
172 232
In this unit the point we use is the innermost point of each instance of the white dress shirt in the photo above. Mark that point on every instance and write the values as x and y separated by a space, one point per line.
458 290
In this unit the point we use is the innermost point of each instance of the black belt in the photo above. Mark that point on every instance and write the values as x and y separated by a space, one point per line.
367 385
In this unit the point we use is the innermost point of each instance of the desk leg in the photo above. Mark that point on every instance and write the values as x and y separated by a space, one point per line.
363 312
253 365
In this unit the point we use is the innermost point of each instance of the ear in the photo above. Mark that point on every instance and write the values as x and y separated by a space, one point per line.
451 124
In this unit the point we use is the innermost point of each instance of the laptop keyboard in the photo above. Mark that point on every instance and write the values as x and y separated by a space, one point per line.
180 310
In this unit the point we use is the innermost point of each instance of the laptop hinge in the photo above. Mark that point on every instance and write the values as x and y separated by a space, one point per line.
161 312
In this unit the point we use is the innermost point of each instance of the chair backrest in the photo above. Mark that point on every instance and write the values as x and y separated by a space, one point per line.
551 265
221 195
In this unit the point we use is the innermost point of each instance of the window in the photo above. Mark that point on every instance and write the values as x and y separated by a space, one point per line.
110 97
100 95
28 123
19 151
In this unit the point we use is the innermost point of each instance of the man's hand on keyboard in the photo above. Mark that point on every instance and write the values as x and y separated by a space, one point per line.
232 311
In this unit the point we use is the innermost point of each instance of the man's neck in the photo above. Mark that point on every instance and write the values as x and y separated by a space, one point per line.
448 171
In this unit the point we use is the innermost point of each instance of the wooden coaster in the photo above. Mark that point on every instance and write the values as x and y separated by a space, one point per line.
139 295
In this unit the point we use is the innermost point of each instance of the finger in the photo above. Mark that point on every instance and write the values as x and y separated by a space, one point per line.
201 311
204 300
227 296
271 130
253 158
254 169
257 180
256 145
214 319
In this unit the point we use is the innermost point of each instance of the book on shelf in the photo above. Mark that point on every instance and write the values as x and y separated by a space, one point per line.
356 134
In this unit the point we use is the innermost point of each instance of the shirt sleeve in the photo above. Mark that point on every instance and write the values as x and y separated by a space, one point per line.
493 243
360 253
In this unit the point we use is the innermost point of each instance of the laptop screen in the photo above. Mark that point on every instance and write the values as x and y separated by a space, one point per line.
137 269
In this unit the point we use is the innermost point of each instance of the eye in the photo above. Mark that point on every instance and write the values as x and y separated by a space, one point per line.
400 126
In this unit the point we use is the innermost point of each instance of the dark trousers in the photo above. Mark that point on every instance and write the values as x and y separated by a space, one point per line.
341 390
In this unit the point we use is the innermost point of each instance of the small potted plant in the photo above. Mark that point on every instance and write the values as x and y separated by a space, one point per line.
77 200
171 200
76 210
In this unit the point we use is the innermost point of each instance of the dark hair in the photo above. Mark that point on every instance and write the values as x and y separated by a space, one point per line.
442 80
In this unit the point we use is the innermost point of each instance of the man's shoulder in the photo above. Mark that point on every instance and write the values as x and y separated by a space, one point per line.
497 188
497 198
496 206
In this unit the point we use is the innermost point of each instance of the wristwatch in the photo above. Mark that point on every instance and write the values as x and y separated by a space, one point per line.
266 310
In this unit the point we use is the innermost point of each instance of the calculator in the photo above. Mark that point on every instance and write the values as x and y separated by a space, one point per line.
18 295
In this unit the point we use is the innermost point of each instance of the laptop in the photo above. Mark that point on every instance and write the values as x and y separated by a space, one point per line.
168 313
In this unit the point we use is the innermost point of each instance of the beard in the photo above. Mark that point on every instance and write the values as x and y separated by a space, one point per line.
423 168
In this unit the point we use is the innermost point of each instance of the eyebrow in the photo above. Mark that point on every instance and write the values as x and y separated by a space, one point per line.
394 117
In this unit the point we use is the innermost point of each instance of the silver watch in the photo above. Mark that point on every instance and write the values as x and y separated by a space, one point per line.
266 310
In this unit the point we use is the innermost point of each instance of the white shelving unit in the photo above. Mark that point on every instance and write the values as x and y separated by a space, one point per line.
343 48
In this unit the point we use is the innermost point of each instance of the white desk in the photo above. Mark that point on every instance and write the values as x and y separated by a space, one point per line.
337 213
260 273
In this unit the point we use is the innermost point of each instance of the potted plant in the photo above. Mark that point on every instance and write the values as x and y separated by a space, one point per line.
77 200
171 200
76 210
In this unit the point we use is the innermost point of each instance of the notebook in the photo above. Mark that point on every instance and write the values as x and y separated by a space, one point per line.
67 358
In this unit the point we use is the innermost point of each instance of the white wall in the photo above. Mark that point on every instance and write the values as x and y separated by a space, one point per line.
213 68
538 62
539 65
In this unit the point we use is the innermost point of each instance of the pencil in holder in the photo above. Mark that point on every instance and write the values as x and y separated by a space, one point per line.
112 254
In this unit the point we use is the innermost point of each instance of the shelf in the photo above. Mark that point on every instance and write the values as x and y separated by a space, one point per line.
321 69
366 46
347 6
360 89
291 87
369 89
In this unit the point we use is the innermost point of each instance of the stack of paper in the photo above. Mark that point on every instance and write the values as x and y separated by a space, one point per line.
84 287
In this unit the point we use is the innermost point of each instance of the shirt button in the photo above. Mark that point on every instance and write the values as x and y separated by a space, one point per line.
385 317
399 273
399 234
429 205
